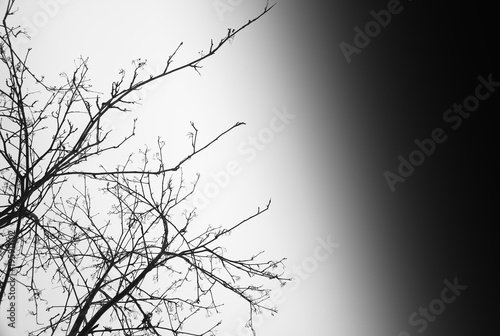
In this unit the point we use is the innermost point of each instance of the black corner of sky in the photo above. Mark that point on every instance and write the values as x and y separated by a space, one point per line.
400 87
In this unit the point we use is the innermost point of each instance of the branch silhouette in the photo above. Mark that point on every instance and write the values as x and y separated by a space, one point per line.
119 244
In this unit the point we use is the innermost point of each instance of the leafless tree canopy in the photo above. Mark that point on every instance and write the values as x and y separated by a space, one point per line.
116 245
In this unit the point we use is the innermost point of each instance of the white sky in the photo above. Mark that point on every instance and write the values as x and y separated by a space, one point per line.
263 71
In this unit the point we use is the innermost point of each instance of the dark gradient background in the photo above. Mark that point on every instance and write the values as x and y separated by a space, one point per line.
441 223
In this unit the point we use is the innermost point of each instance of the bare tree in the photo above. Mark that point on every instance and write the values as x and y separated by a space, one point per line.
138 267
